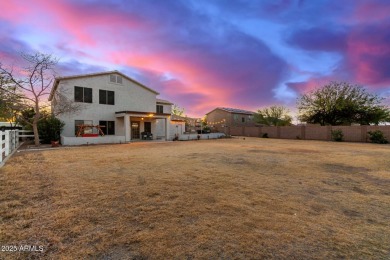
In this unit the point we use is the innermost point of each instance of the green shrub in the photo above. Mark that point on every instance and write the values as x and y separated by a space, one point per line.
337 135
265 135
49 129
377 137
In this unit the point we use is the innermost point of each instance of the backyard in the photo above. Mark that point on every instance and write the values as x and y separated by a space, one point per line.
229 198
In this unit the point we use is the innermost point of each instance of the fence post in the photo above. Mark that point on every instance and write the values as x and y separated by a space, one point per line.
16 138
243 131
260 131
278 130
1 145
11 141
6 143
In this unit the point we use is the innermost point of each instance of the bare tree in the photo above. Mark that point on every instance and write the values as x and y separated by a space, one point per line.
61 104
33 84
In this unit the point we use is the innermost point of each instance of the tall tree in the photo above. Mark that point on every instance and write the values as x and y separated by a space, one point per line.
273 116
32 86
341 103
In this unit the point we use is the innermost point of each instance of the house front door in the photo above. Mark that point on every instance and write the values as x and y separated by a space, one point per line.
148 127
135 130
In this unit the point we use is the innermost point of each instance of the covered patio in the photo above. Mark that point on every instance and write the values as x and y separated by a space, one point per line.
140 125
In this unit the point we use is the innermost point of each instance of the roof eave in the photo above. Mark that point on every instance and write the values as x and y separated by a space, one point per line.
53 89
166 103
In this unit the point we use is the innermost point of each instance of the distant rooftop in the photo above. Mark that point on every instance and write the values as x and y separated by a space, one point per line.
158 100
234 110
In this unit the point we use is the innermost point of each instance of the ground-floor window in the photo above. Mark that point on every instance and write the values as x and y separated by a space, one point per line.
77 123
109 127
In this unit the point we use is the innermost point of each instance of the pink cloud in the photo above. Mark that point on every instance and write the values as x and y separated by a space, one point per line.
187 89
368 54
83 23
371 11
310 84
15 11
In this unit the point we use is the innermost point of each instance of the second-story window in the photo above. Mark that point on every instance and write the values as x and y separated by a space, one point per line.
106 97
159 109
82 94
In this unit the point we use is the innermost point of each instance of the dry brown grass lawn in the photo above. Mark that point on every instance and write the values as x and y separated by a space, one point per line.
231 199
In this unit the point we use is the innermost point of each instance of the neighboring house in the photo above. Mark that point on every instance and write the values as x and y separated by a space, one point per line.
191 124
223 117
124 107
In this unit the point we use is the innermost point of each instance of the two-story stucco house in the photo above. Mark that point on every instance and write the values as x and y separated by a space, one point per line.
123 107
221 117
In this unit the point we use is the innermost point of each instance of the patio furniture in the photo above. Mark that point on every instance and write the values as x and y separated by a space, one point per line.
147 136
81 128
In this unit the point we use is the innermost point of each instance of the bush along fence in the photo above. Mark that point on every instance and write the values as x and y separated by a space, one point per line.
359 133
9 142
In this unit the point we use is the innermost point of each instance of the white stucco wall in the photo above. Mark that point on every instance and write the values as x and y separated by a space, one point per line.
160 128
128 97
108 139
176 128
187 137
167 109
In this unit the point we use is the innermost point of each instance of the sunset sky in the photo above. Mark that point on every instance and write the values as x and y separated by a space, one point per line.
202 54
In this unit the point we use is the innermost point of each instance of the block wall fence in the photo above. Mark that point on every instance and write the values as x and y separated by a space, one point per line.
309 132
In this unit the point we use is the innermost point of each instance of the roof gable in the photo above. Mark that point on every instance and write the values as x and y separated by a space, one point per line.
58 79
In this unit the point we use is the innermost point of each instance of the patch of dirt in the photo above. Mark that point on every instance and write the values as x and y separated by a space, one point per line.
352 213
294 150
359 190
343 168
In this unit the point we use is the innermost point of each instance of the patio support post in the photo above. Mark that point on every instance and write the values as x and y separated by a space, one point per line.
167 128
127 128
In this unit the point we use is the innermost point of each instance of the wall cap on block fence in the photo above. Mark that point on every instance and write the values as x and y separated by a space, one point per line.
354 133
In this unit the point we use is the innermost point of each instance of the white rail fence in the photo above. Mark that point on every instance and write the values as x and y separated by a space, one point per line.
9 141
26 133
